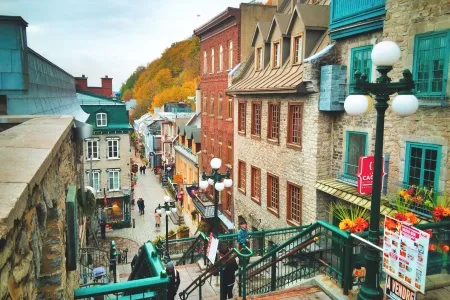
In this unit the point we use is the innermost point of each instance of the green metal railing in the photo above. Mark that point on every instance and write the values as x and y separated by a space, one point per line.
148 280
89 259
196 250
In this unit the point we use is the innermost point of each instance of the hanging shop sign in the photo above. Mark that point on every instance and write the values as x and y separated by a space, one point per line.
365 174
397 290
405 253
178 178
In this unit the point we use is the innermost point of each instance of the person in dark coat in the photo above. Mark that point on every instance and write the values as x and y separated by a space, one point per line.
103 229
174 281
143 169
228 275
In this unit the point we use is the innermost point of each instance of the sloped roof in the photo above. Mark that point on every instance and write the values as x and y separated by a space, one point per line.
196 135
280 20
263 29
313 16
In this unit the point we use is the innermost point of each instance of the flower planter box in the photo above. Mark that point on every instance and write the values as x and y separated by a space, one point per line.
173 236
183 233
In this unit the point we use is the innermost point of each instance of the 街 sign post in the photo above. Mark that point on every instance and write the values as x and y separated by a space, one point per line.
365 174
397 290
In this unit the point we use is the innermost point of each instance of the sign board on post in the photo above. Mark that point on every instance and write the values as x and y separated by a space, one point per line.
397 290
211 251
405 253
366 165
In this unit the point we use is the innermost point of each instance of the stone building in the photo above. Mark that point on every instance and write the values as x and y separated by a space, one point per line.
224 43
107 156
416 147
279 152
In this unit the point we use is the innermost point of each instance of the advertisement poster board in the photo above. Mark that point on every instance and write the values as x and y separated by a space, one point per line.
405 253
211 251
365 174
398 291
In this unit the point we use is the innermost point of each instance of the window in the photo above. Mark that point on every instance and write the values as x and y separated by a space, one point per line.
95 180
276 55
295 124
230 108
230 152
113 149
256 118
259 59
92 150
273 193
361 61
294 203
220 58
113 180
241 124
212 146
256 184
274 122
220 104
211 105
241 176
230 55
356 146
227 207
101 120
212 60
205 104
205 63
422 165
431 55
298 47
220 148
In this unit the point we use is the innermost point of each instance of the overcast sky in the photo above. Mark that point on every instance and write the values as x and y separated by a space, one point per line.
109 37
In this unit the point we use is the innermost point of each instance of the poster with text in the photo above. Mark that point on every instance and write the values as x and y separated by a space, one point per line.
405 253
211 251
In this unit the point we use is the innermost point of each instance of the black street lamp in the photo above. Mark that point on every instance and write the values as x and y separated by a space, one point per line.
384 56
167 208
220 181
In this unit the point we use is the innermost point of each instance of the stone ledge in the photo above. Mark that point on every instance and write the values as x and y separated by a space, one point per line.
26 152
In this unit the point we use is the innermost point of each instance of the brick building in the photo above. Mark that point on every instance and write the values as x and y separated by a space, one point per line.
278 151
223 45
105 90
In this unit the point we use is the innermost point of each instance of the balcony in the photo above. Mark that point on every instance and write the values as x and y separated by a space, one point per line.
187 153
356 16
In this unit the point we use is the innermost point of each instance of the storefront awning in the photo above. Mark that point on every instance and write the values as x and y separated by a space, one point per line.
349 194
206 209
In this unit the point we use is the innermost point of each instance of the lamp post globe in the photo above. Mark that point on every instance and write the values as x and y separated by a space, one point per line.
166 198
405 105
385 53
210 181
219 186
228 182
216 163
203 184
356 105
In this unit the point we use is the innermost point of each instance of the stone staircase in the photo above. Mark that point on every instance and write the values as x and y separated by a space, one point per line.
177 218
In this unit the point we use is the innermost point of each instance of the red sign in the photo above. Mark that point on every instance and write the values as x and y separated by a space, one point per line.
365 174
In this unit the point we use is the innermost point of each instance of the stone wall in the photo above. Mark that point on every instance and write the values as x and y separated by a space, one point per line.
33 183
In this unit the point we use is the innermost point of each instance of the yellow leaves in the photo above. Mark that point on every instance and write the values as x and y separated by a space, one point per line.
174 94
127 95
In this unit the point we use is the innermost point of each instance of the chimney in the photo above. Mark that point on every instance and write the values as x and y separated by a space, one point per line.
198 99
107 86
81 83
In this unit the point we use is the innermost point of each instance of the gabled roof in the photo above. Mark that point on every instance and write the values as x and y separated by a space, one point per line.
262 28
280 20
313 16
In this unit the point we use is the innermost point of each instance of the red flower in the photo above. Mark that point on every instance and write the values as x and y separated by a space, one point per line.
432 247
400 217
445 248
430 232
410 191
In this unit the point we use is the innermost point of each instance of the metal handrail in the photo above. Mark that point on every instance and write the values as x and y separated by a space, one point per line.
200 239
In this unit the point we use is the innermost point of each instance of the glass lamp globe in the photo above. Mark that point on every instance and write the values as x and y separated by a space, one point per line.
210 181
219 186
356 105
158 211
168 212
385 53
166 198
405 105
216 163
163 211
203 184
173 209
228 182
370 104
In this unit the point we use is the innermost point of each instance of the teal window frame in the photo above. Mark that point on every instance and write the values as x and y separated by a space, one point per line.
418 39
347 145
364 51
424 147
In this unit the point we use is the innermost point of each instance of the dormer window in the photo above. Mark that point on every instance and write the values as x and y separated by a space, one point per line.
276 56
259 59
205 63
297 49
212 60
101 120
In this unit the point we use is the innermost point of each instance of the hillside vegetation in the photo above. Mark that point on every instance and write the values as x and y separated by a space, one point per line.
172 77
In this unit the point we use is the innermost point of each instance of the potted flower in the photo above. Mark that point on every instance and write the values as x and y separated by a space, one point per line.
194 215
182 231
403 214
353 218
419 199
172 234
438 250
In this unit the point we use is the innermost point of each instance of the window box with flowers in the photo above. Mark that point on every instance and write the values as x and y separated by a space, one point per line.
420 200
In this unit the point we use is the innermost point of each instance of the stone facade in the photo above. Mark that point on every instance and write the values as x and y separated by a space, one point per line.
34 180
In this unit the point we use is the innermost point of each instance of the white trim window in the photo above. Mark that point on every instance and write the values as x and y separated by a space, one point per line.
113 149
212 60
92 151
205 62
113 180
220 58
102 120
95 178
230 55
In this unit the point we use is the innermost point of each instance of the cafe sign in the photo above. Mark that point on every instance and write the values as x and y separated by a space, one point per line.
366 165
397 290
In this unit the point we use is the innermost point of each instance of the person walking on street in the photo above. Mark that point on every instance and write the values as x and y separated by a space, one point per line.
174 281
157 219
103 229
143 206
243 235
143 169
139 203
228 274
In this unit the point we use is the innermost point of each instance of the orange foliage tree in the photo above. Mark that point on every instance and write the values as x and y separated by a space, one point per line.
174 93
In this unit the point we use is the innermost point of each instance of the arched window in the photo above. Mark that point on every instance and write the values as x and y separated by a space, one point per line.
220 58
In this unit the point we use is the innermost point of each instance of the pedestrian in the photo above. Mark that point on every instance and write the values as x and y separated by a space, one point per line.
139 203
157 219
103 229
143 206
135 259
174 281
143 169
228 274
243 235
140 170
